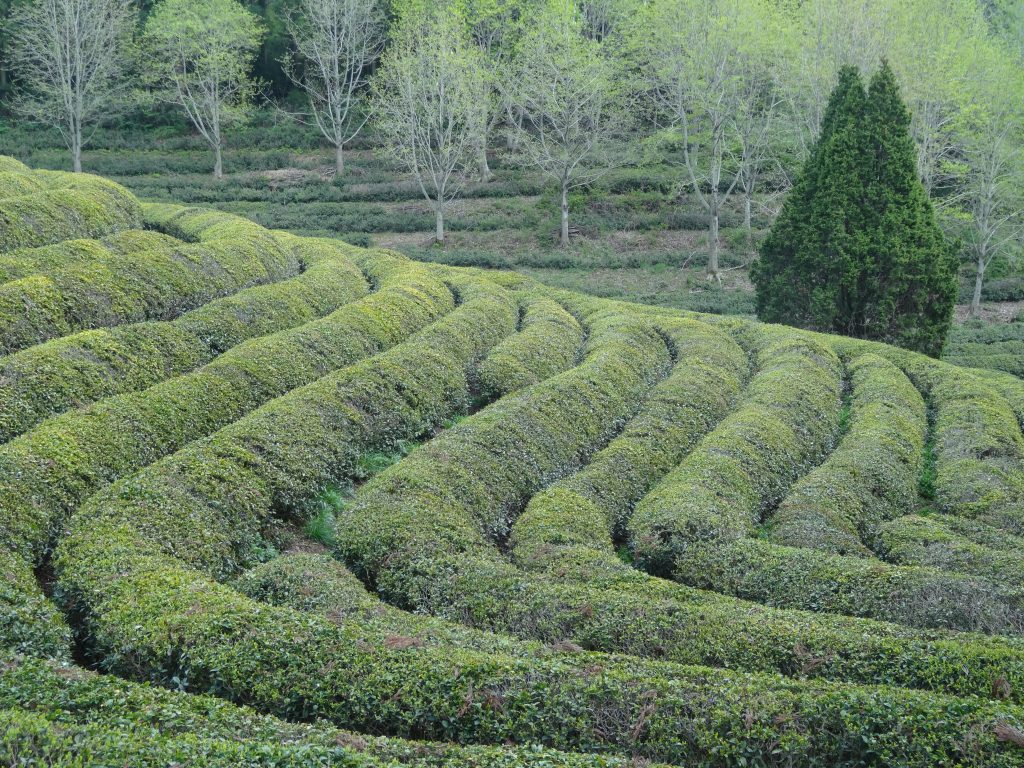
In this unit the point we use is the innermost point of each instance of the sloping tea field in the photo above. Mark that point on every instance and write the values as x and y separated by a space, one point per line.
270 500
636 236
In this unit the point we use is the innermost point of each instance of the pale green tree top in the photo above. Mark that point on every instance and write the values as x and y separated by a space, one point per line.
201 51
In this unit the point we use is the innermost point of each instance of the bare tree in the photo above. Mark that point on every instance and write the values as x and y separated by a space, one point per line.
70 57
493 25
335 42
573 109
429 102
993 152
199 53
707 84
759 100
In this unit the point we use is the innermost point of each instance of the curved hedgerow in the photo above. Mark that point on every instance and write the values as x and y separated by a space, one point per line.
25 262
10 165
583 509
61 716
73 371
979 452
285 450
29 622
160 283
873 474
467 484
934 541
46 472
17 184
415 533
137 599
91 208
720 490
546 344
318 583
812 580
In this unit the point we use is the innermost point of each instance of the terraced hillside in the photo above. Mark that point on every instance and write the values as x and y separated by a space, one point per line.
271 500
996 345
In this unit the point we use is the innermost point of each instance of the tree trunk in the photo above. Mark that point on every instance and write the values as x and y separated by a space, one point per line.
485 168
976 298
713 273
564 239
439 226
747 220
218 165
339 160
76 150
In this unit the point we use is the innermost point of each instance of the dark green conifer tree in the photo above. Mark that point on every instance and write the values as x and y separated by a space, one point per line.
856 249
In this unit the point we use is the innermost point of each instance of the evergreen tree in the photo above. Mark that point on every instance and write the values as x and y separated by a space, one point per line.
856 249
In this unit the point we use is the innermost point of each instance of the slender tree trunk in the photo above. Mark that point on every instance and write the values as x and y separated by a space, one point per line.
76 150
747 219
218 165
339 160
564 239
439 225
485 168
979 279
713 273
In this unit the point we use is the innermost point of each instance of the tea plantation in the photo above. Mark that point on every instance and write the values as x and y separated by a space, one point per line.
274 500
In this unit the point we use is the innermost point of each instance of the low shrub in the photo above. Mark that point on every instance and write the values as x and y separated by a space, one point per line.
73 371
88 207
66 717
787 420
930 541
29 622
547 343
18 184
979 451
160 283
871 477
317 583
812 580
48 471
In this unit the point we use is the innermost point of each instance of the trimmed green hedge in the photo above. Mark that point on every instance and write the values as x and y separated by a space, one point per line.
546 344
68 717
10 165
154 617
871 477
46 472
807 579
26 262
979 451
581 511
787 421
73 371
87 207
29 622
317 583
154 284
873 474
931 541
18 184
467 485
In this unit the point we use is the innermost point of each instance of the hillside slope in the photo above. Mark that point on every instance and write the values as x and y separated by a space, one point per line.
275 487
